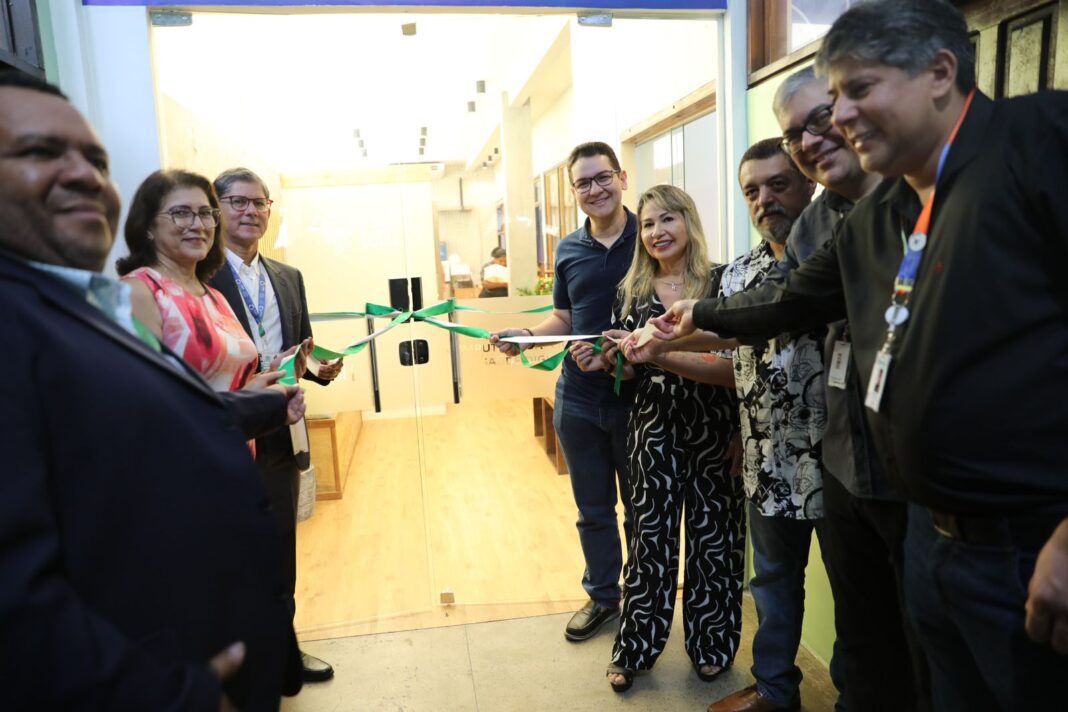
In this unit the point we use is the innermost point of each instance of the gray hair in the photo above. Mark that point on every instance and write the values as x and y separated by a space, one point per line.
906 34
791 85
498 252
225 180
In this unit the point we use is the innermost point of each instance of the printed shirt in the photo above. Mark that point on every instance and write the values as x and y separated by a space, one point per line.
202 330
782 407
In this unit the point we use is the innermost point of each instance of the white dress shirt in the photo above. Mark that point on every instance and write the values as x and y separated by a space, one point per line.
271 342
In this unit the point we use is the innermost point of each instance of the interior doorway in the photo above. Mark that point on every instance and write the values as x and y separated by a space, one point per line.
392 143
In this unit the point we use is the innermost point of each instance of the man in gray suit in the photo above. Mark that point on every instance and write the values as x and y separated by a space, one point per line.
268 299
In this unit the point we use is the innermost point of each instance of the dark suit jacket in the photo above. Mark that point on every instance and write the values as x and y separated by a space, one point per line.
275 451
134 541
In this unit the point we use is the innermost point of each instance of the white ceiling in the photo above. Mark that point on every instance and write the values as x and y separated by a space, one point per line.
297 86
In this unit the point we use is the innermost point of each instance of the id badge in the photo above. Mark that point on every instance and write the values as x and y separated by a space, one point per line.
877 383
839 370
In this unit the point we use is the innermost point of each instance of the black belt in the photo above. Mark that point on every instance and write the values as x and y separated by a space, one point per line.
1030 531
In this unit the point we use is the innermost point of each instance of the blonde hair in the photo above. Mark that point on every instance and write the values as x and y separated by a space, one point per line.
639 282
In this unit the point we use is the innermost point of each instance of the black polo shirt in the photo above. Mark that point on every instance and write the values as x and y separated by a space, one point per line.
587 274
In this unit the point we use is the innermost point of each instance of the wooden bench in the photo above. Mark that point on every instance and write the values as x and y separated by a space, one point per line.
543 427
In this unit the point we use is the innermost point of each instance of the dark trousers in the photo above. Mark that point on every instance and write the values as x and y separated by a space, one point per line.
594 441
881 666
967 603
780 555
281 480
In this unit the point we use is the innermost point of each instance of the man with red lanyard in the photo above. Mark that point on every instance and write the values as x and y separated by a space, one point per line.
959 312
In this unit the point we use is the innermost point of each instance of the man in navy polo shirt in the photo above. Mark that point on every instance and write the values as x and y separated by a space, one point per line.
590 420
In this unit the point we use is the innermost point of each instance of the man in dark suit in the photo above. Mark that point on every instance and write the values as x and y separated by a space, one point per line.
134 539
268 298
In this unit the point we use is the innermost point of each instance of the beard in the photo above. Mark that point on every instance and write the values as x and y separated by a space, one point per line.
776 232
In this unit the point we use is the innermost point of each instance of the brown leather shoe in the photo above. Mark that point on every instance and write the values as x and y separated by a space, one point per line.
749 699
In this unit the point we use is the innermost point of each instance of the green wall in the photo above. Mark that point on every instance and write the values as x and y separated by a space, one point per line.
48 43
818 630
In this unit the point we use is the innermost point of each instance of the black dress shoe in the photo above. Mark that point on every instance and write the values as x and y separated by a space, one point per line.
588 619
315 670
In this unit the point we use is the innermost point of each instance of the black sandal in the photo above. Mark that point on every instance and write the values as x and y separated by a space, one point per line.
628 678
710 676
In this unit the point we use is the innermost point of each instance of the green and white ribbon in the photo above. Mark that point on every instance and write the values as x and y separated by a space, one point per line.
427 315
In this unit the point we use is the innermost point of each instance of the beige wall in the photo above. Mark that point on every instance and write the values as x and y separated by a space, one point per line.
553 135
194 144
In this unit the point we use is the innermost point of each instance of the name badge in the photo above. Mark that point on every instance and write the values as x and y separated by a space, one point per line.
877 384
839 370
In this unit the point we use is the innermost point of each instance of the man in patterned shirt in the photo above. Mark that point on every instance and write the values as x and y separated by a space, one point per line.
782 412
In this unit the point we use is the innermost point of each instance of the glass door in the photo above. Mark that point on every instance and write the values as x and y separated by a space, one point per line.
443 495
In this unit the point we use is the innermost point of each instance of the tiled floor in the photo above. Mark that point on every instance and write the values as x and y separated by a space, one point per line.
522 665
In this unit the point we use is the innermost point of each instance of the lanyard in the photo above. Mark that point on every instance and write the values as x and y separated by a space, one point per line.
256 312
898 312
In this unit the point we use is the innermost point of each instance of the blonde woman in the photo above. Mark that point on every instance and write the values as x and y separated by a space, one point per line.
678 443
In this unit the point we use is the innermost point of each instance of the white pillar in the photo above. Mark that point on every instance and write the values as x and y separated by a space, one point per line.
732 127
518 166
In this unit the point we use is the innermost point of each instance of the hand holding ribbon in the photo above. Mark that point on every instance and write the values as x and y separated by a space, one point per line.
677 322
585 357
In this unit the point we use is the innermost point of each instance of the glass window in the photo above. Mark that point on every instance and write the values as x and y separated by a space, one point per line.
781 27
810 19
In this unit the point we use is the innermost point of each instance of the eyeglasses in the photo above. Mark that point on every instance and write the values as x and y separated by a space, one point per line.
817 123
603 179
184 217
240 203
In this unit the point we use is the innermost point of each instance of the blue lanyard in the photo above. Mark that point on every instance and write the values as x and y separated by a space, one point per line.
898 312
256 312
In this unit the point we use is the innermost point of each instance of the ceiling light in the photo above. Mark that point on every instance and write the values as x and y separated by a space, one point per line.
422 141
355 133
421 151
471 106
422 130
480 86
408 29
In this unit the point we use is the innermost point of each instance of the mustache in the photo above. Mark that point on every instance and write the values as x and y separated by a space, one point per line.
773 210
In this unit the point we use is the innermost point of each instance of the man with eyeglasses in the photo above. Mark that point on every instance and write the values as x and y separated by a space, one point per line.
865 516
951 273
268 298
590 420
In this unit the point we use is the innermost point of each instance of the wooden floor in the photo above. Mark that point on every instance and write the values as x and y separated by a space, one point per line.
473 506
